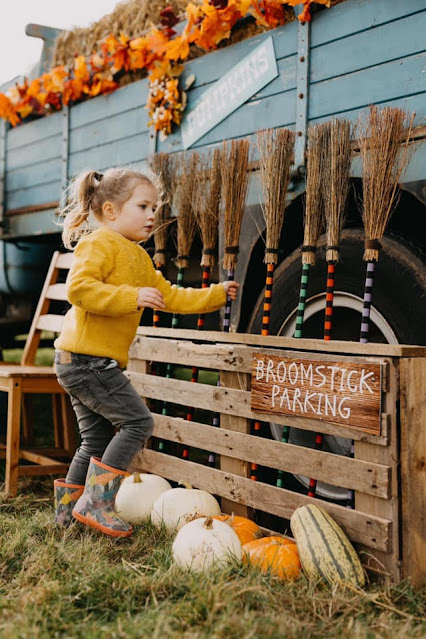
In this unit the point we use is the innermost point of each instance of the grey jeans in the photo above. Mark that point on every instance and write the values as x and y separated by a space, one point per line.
113 421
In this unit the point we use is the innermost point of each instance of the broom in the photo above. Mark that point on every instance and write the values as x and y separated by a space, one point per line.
163 167
206 208
185 227
335 191
235 178
233 165
314 207
381 134
275 155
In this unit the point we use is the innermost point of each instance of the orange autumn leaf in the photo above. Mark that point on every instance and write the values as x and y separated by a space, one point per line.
81 71
178 49
7 110
157 41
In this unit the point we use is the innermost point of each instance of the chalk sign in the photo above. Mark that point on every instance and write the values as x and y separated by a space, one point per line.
238 85
341 392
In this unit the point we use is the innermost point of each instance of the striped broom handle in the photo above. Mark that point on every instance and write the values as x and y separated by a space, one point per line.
194 377
297 333
226 327
267 300
328 325
365 329
175 323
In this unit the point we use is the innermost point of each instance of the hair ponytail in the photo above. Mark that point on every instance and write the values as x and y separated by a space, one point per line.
87 193
79 200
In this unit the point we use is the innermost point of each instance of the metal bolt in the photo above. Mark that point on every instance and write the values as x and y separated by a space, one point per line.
301 96
299 133
302 58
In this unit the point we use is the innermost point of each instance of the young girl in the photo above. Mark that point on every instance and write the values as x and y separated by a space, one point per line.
110 283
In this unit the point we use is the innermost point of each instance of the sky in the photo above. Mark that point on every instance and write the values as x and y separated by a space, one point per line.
19 52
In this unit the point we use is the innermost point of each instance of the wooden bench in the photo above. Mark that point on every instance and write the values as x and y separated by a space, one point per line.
21 381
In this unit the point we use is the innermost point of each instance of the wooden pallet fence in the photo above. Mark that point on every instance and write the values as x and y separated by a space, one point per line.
381 472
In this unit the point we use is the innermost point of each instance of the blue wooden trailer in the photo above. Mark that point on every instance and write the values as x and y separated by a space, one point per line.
357 53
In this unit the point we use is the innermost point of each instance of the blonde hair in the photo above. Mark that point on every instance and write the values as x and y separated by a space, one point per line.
87 193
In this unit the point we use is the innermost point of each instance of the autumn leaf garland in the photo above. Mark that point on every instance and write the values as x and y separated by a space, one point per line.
160 52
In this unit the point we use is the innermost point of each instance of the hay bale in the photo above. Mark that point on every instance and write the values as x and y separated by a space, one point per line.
132 18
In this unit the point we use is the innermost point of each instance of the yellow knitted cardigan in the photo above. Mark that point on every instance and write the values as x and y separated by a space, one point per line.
102 287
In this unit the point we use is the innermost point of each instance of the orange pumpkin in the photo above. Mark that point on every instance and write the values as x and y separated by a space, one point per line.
277 555
246 529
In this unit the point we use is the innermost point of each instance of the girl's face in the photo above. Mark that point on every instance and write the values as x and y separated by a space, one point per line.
135 219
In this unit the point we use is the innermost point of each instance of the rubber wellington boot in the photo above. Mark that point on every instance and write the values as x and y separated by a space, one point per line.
66 496
95 508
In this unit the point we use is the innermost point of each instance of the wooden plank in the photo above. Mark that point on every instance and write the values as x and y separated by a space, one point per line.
65 260
36 208
57 292
50 322
378 46
33 196
125 124
37 458
233 402
29 133
232 464
372 531
389 81
344 392
30 176
235 357
337 470
413 469
389 509
351 17
44 149
53 469
104 106
277 341
131 149
12 437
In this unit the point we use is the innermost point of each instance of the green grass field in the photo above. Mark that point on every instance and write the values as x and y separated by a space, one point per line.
75 583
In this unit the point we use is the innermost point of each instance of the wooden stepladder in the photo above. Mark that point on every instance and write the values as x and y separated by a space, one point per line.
21 381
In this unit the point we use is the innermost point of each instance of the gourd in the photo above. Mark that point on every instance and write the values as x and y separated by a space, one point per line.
136 496
206 543
276 555
246 529
176 507
325 551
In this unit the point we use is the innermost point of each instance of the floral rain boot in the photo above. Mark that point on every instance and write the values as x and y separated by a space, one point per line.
66 496
95 508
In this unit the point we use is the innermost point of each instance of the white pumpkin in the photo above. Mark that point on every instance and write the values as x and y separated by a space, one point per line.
206 543
176 507
136 496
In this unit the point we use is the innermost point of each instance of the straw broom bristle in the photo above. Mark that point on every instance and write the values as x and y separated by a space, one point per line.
336 184
186 224
381 134
207 204
235 177
275 154
163 167
318 141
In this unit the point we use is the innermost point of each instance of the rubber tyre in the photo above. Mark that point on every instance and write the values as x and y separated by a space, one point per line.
399 291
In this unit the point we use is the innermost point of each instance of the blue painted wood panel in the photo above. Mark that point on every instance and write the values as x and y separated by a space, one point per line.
32 132
115 127
39 173
49 192
41 151
104 106
125 151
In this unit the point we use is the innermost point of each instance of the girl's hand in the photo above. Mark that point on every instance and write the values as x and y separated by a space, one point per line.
231 289
151 298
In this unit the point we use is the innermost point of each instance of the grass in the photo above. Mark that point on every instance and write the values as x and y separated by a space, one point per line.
75 583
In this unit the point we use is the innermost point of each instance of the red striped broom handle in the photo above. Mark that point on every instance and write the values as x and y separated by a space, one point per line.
328 325
267 300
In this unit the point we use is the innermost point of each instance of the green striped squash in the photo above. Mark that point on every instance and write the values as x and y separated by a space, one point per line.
325 551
